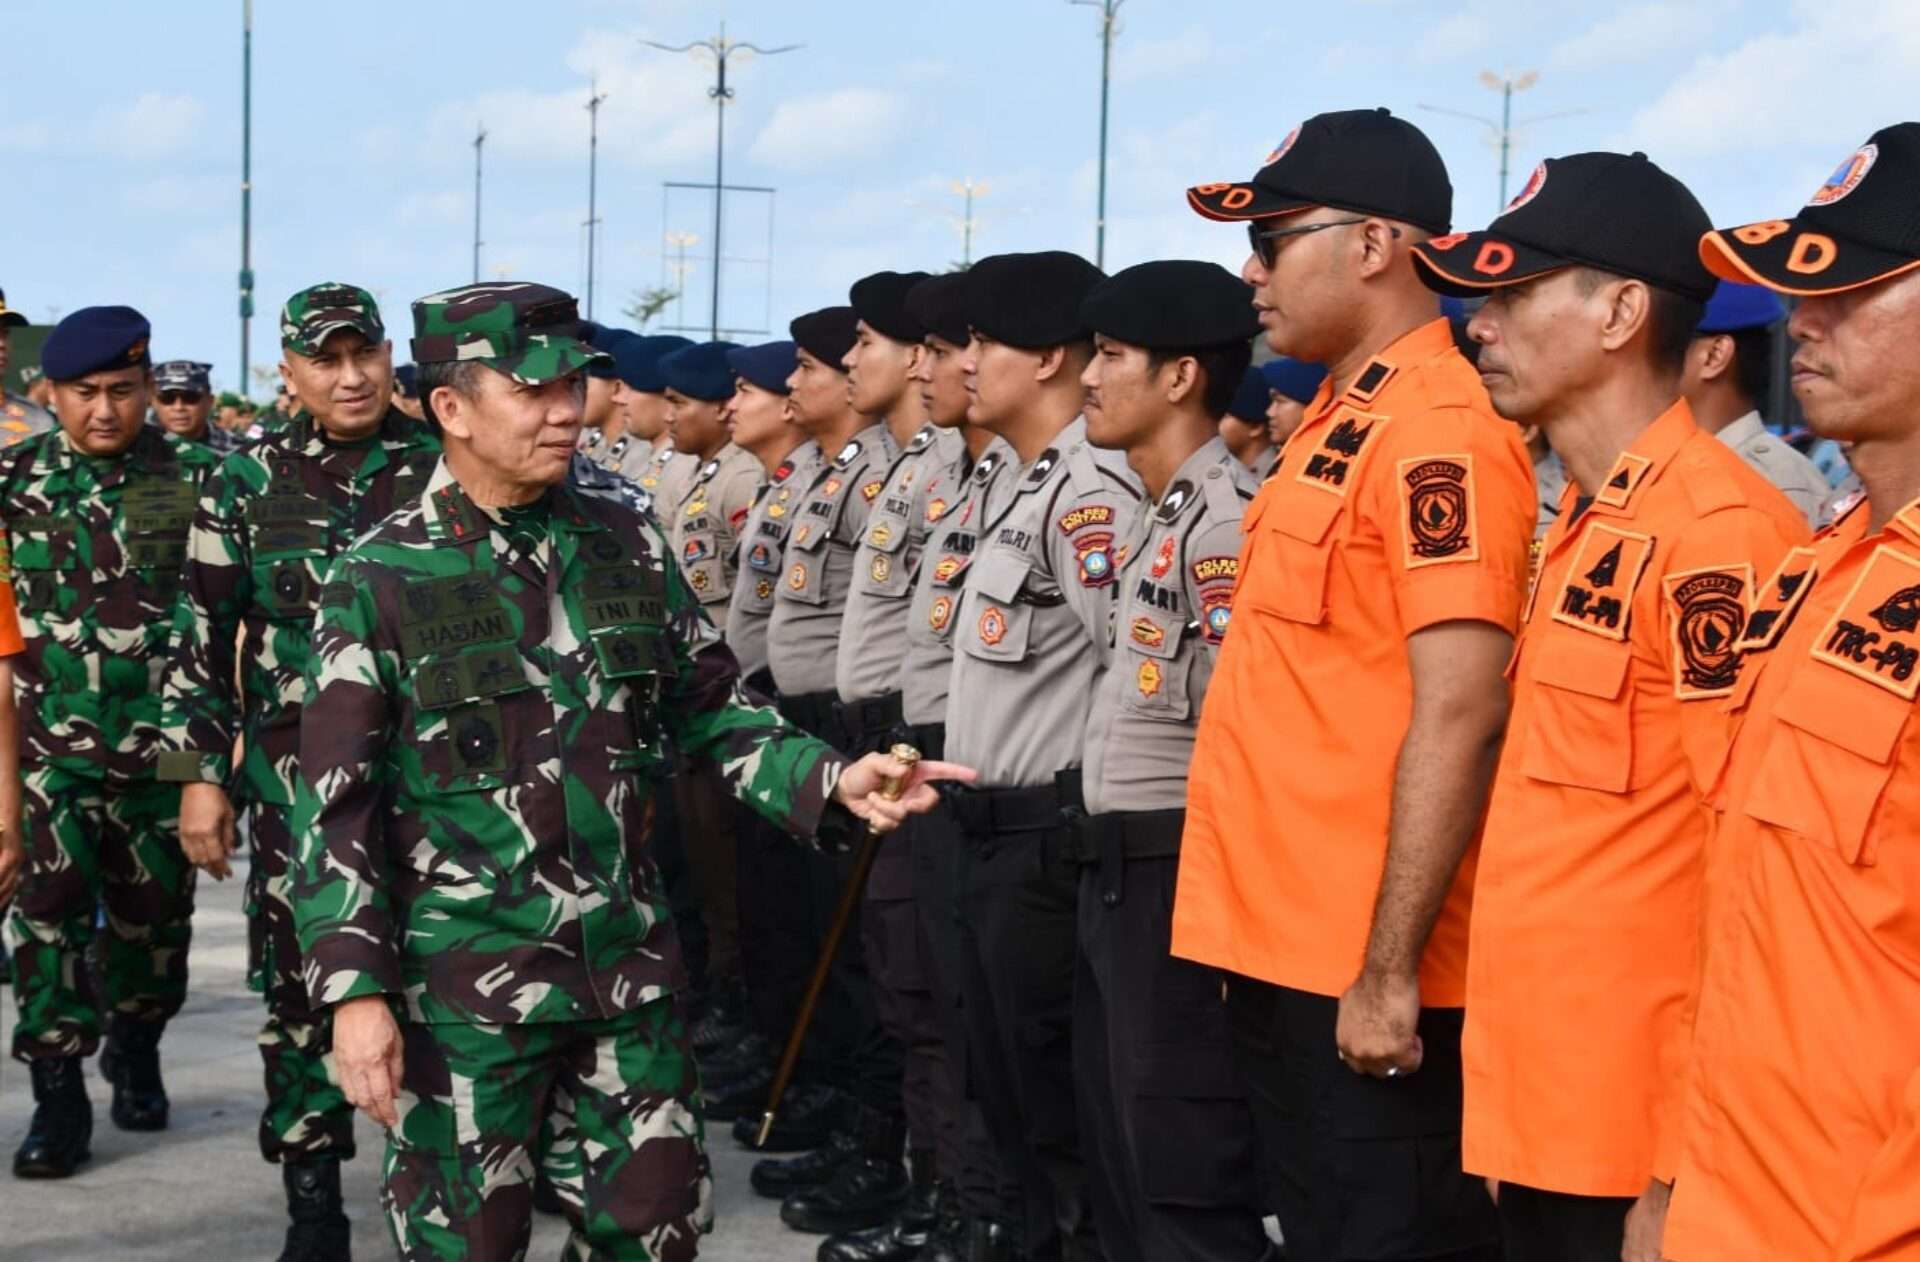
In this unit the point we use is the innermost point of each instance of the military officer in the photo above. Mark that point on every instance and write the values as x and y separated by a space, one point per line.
850 1051
1728 375
1030 634
183 401
1243 427
704 524
1168 1138
20 417
270 521
405 397
96 516
486 931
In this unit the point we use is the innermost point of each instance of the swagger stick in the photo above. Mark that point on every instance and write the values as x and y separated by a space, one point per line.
849 904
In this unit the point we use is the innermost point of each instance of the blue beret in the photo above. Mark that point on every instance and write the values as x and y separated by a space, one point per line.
767 365
1735 308
404 377
637 360
1250 400
602 338
700 372
95 339
1292 378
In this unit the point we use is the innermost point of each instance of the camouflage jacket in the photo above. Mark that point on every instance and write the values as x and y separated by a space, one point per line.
271 520
97 544
488 696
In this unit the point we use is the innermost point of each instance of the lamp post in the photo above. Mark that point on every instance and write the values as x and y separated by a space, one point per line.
720 48
595 98
1109 11
246 183
479 141
1504 129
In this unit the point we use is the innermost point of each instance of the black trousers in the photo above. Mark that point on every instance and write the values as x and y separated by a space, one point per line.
1163 1121
1018 901
1357 1167
1558 1227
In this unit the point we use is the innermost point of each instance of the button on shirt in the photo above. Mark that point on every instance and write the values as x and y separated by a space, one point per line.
1175 601
959 499
1802 1111
1402 503
1589 894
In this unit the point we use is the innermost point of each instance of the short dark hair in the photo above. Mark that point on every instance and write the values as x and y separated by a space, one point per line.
1672 318
457 375
1223 365
1753 363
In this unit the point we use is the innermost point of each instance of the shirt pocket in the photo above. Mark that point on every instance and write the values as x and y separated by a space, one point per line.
805 579
637 661
1159 669
1293 541
886 561
461 712
46 551
1829 761
998 626
1579 728
289 565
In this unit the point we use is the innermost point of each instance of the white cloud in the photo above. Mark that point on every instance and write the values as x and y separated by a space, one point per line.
830 126
1453 37
1193 49
171 194
1630 35
155 123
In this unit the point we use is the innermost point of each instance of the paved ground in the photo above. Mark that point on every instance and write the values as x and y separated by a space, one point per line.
200 1193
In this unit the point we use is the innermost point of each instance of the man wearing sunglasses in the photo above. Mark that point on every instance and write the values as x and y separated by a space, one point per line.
1349 735
183 402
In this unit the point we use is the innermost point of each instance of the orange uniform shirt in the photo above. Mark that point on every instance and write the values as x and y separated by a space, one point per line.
1802 1111
10 641
1402 503
1588 900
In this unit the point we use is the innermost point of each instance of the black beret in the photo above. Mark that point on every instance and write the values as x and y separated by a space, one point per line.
1251 399
700 371
603 338
1172 304
939 305
1031 300
826 334
881 300
767 365
95 339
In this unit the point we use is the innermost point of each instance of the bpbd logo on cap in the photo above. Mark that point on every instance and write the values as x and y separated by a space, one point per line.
1846 177
1529 190
1280 150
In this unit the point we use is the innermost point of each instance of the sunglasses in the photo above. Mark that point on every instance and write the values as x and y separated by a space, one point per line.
181 396
1266 241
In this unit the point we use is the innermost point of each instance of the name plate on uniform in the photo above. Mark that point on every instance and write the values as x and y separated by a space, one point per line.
623 580
290 537
282 508
625 611
438 614
41 524
489 671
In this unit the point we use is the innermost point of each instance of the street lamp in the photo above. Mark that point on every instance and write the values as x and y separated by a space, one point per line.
720 48
1503 130
680 241
1109 10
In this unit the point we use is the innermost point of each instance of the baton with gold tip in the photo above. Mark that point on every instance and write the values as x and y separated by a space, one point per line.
842 917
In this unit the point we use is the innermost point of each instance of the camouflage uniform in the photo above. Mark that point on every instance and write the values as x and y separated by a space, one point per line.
270 521
97 544
488 697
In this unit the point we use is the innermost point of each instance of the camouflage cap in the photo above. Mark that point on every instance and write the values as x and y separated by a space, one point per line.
529 332
318 311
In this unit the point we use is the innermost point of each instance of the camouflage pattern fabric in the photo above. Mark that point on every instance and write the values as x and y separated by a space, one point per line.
97 546
489 697
88 843
529 332
623 1145
317 312
269 523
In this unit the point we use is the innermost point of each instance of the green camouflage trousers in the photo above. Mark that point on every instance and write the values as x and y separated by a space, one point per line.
610 1103
88 843
307 1115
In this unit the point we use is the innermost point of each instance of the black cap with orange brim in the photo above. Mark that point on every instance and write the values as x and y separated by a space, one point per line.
1612 211
1365 161
1861 226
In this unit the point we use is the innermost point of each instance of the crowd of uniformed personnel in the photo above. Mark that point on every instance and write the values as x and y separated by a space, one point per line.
1431 789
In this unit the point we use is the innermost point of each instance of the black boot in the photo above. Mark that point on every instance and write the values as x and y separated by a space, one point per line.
750 1052
947 1242
319 1231
807 1118
779 1179
723 1021
906 1235
745 1096
865 1191
62 1127
131 1062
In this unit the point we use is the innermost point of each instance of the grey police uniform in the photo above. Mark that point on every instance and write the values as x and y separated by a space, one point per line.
704 525
762 544
1167 1134
1798 478
1029 635
21 418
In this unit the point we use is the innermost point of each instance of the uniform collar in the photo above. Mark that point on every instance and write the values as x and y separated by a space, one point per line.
1410 350
1743 431
1184 491
1641 464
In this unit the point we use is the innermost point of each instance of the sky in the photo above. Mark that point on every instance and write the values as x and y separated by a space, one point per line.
120 134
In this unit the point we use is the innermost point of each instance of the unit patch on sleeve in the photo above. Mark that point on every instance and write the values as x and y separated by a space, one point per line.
1214 580
1708 608
1439 518
1094 552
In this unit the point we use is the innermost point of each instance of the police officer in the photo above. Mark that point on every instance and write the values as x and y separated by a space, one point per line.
270 521
487 933
1728 375
1291 385
1168 1138
761 422
642 399
602 420
183 400
1243 426
1030 632
20 417
96 516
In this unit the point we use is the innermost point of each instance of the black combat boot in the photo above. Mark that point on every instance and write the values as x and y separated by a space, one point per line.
779 1179
319 1231
743 1097
865 1191
807 1118
749 1052
906 1235
131 1062
59 1136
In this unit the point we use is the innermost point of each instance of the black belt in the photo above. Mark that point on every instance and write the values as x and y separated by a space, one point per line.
815 713
1106 842
929 738
870 724
984 813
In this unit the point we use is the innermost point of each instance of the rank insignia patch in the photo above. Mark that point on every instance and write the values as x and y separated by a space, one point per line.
1629 471
871 491
1147 632
1439 510
1708 609
936 509
1776 603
